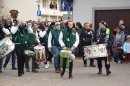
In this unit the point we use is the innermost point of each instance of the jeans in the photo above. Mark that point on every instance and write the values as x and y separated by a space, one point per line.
13 53
1 63
56 51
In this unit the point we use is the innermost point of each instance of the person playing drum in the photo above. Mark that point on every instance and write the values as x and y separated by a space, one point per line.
20 33
87 37
3 32
54 46
69 38
32 39
44 38
104 36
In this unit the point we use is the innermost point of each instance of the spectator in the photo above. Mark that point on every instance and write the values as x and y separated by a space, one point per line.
123 27
117 46
51 5
62 25
79 49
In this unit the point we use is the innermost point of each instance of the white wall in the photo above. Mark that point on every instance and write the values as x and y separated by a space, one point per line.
27 8
83 8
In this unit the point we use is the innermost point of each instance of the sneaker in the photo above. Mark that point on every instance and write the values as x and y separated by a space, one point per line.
48 63
119 61
46 66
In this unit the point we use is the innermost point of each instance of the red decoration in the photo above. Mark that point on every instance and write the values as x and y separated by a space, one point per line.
90 25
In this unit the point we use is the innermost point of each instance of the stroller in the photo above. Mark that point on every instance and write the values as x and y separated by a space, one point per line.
118 52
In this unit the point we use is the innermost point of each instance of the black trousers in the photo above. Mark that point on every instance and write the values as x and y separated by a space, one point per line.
70 66
99 63
27 59
85 61
20 57
48 54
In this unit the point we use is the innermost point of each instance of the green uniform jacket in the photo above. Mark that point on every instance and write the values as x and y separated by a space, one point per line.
17 38
72 38
32 38
55 37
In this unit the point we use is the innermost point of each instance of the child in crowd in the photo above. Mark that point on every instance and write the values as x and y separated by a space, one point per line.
126 49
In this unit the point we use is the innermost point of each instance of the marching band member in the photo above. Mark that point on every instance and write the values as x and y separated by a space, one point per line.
20 33
3 32
13 53
87 37
69 38
43 38
54 46
32 39
104 36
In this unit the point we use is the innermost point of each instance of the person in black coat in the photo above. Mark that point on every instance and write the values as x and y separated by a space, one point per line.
87 37
104 36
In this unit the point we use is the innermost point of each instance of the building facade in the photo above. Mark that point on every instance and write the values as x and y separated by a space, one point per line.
83 9
28 9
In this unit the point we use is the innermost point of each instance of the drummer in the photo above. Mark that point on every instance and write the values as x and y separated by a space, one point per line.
87 37
104 37
69 38
32 39
54 46
21 37
3 32
44 38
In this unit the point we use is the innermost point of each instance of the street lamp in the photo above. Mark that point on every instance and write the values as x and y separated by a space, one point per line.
38 5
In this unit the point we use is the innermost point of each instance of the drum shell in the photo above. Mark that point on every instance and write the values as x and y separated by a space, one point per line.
6 46
65 54
95 51
40 54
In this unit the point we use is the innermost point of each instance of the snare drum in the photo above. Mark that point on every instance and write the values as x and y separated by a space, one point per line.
28 53
95 51
65 54
6 46
40 54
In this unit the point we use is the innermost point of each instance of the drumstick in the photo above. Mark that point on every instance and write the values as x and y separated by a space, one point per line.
52 54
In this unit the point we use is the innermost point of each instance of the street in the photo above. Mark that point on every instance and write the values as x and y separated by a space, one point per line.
82 76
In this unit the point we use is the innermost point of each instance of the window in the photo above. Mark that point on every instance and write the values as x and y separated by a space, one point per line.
44 3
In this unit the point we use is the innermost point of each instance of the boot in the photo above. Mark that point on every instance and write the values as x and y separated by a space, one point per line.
85 65
34 71
100 71
0 70
92 65
108 72
57 70
4 66
14 68
62 74
70 76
